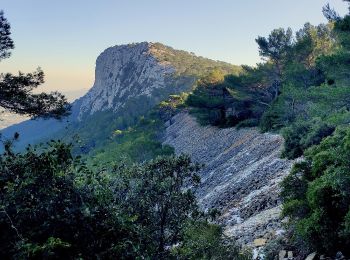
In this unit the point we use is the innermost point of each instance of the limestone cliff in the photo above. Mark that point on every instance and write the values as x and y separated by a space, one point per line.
129 80
124 72
241 175
146 72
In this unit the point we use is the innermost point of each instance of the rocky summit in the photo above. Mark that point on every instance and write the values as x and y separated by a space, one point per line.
143 73
124 72
241 175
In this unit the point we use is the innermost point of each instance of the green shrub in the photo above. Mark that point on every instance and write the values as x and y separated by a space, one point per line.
317 196
206 241
302 135
53 206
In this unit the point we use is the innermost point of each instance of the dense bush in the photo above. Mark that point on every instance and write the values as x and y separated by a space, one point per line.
208 100
135 144
217 101
302 135
206 241
317 196
53 206
274 93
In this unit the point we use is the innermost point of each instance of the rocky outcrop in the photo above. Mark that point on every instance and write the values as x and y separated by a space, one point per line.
241 175
123 72
144 74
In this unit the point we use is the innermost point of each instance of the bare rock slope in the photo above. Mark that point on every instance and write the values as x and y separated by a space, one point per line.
241 175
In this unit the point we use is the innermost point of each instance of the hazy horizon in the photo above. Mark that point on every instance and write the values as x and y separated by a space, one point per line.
64 38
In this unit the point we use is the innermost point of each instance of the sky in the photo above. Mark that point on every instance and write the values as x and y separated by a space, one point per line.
65 37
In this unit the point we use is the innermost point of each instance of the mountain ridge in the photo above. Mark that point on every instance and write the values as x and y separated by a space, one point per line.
130 79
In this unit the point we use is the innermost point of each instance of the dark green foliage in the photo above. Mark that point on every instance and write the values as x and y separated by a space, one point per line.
302 135
227 101
330 13
275 49
206 241
317 196
6 43
16 96
276 45
275 92
271 119
209 100
154 195
335 66
293 136
52 206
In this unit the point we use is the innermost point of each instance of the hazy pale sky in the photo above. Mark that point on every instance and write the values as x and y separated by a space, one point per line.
64 37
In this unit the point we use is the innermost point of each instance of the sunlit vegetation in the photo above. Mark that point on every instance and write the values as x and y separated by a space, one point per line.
189 64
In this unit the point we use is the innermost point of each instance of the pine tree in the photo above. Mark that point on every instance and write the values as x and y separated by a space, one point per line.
16 91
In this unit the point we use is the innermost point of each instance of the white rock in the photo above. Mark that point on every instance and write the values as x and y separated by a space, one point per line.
123 72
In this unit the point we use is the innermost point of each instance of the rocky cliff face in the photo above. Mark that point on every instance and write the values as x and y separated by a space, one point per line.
241 175
144 73
124 72
129 80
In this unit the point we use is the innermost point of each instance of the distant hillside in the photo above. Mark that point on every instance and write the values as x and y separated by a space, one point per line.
129 80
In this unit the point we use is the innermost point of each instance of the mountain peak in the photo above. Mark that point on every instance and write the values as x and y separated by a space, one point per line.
143 71
130 79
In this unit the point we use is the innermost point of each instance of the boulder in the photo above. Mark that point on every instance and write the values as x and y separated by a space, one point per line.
311 256
282 254
259 242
